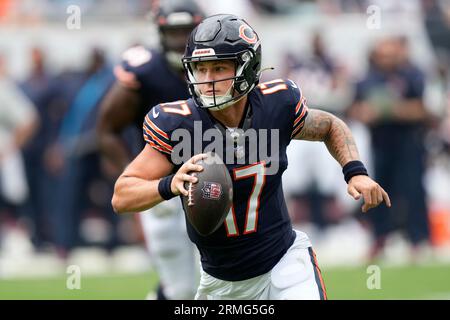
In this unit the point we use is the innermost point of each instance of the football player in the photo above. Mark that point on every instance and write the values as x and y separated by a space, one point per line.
145 78
255 253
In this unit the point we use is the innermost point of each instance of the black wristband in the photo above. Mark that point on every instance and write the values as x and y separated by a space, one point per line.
164 187
354 168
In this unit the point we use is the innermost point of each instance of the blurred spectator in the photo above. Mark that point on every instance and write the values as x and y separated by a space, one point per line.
318 72
340 6
389 101
394 8
436 16
324 84
74 154
18 122
41 11
42 89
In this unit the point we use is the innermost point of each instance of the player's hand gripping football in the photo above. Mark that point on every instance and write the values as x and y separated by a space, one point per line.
373 194
182 175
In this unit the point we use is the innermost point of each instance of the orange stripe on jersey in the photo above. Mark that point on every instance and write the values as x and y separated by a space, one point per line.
153 145
158 141
299 104
155 127
297 130
297 121
302 114
301 124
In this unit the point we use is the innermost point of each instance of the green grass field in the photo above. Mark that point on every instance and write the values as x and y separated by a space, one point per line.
413 282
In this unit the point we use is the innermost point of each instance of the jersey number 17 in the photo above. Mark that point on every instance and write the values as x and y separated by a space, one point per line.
257 172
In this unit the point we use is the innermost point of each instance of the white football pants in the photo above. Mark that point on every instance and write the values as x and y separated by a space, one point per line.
295 277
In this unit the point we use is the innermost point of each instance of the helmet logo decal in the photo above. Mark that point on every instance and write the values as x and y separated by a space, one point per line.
242 34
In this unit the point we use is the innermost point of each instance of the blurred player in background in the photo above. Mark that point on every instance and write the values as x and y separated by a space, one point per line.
144 79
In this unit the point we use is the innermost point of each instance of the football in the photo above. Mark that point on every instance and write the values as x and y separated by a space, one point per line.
210 199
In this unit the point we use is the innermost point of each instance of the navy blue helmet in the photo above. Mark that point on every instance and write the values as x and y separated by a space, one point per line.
224 37
175 20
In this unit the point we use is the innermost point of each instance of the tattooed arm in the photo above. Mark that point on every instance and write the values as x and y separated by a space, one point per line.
323 126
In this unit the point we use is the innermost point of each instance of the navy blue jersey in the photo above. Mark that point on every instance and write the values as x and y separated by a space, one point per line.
257 231
148 72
